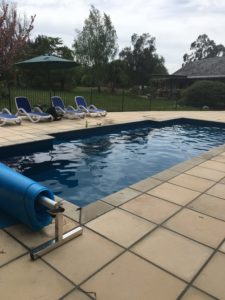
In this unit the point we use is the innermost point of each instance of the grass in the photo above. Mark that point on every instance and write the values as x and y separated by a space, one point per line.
120 100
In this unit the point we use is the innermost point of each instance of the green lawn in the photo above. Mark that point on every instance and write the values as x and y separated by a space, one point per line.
118 101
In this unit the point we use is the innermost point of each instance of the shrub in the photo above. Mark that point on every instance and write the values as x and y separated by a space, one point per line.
134 90
205 93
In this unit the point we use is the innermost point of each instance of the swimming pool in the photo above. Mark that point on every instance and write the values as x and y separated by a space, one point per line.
83 170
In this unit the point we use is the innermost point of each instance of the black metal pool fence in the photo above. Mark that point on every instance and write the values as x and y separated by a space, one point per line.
117 101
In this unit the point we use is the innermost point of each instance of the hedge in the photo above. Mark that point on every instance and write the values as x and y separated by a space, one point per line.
205 93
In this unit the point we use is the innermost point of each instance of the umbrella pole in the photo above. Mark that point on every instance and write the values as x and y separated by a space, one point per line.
9 95
50 87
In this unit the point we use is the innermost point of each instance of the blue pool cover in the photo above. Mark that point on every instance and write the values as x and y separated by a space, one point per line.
18 200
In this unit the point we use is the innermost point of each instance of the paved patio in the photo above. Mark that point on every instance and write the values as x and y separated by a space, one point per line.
161 238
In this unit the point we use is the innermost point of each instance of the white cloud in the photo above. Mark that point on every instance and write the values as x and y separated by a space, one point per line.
174 23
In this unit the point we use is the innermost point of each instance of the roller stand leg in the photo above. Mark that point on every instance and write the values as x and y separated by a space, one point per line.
59 227
59 239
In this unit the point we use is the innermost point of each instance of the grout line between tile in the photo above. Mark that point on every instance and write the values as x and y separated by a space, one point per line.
12 236
204 292
202 267
57 271
12 260
81 290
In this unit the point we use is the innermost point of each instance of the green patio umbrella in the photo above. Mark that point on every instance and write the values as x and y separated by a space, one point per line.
48 62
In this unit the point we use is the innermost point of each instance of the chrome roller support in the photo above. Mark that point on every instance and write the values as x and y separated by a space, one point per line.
56 210
49 203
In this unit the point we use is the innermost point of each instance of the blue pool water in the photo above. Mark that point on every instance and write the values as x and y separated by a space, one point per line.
85 170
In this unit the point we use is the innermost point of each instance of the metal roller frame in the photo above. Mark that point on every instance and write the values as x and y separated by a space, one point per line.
56 210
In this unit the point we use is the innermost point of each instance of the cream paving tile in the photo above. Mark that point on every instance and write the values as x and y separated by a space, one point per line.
24 279
9 248
4 145
208 155
28 136
194 294
213 165
219 158
222 181
206 173
121 196
94 210
216 151
41 138
211 279
22 141
209 205
2 140
131 278
78 295
146 184
151 208
222 248
174 193
15 137
182 167
121 227
31 130
71 210
166 175
4 133
173 252
33 239
192 182
197 226
217 190
196 160
82 256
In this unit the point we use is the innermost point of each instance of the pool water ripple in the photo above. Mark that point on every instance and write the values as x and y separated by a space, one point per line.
85 170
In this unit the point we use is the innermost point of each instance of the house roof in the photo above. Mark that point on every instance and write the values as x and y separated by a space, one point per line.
205 68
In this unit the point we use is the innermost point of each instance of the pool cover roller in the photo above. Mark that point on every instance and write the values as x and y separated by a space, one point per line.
19 199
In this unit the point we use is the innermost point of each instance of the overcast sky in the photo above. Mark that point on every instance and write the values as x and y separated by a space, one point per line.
174 23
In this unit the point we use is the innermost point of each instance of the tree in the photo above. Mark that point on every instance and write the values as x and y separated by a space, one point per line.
14 33
48 45
142 60
96 44
203 47
116 75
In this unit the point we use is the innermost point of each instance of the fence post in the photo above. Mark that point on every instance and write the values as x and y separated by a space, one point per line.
150 101
91 96
9 95
123 96
50 97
